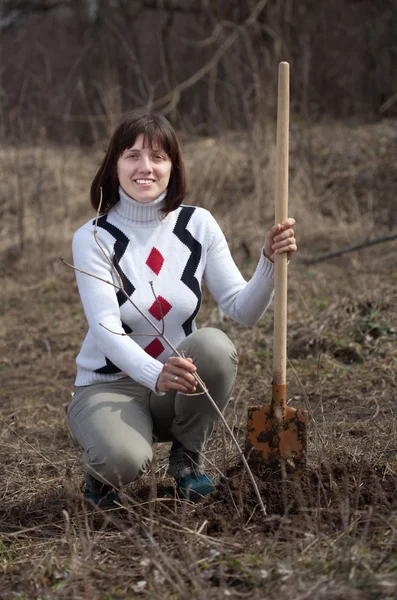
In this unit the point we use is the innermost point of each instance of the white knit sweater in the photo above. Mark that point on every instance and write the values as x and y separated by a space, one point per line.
175 253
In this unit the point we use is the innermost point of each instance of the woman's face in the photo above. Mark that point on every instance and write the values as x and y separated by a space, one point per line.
144 172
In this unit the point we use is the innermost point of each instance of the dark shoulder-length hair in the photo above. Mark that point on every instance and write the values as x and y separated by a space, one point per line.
157 132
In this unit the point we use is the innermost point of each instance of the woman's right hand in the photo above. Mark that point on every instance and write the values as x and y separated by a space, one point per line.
177 375
280 239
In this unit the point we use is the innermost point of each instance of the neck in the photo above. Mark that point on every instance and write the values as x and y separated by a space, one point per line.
148 213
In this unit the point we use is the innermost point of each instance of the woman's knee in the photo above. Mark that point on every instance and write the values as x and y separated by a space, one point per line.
214 353
119 466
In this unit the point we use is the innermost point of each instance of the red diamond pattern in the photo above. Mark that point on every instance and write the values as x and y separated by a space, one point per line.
155 348
155 261
155 308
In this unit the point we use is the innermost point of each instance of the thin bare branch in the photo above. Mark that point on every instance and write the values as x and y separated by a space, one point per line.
124 334
359 246
160 309
61 258
110 260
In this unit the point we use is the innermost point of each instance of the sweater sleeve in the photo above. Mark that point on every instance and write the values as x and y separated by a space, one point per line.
244 302
101 308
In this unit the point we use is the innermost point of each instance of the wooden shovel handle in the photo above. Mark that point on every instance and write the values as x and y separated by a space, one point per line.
280 275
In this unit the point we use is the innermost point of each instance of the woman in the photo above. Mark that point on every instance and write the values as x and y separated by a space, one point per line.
130 389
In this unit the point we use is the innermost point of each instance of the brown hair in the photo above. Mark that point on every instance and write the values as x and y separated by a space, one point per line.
157 131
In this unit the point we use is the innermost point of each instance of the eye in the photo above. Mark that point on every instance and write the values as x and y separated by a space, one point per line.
158 157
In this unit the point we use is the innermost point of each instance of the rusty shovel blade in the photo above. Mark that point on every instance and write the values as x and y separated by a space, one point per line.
276 432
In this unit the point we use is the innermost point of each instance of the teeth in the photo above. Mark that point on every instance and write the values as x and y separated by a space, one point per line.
144 180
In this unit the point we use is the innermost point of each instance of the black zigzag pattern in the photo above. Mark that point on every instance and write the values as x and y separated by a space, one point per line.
119 249
188 275
110 368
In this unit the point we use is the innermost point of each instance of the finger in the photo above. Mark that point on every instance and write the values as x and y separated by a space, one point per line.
182 376
289 249
181 363
273 231
174 374
288 233
284 243
290 222
186 389
181 387
167 384
284 226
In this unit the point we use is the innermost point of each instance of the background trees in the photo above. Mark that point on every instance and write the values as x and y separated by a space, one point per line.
71 67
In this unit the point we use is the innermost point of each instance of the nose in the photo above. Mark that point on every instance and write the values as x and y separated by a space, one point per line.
144 165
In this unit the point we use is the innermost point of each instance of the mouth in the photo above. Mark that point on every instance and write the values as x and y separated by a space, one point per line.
144 181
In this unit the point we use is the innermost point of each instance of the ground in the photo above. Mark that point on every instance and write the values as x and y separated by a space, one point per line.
329 531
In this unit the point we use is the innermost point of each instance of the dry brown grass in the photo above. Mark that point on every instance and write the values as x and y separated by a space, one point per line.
331 534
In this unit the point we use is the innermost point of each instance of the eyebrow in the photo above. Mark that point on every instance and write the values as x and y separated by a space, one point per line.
152 149
140 150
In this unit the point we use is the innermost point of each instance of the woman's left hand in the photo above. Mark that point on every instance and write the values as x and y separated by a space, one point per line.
280 239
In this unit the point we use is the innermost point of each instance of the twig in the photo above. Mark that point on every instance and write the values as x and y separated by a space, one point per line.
364 244
124 334
160 309
110 260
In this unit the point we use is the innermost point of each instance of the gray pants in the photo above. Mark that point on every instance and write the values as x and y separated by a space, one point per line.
117 422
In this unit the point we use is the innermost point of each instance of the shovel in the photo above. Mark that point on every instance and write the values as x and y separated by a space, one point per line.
277 432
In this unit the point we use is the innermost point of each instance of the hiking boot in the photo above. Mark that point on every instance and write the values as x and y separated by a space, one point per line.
195 487
187 468
98 493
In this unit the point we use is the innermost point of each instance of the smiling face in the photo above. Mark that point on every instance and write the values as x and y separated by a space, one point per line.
144 172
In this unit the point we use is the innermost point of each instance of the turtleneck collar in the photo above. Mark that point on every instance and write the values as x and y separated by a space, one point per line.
147 214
